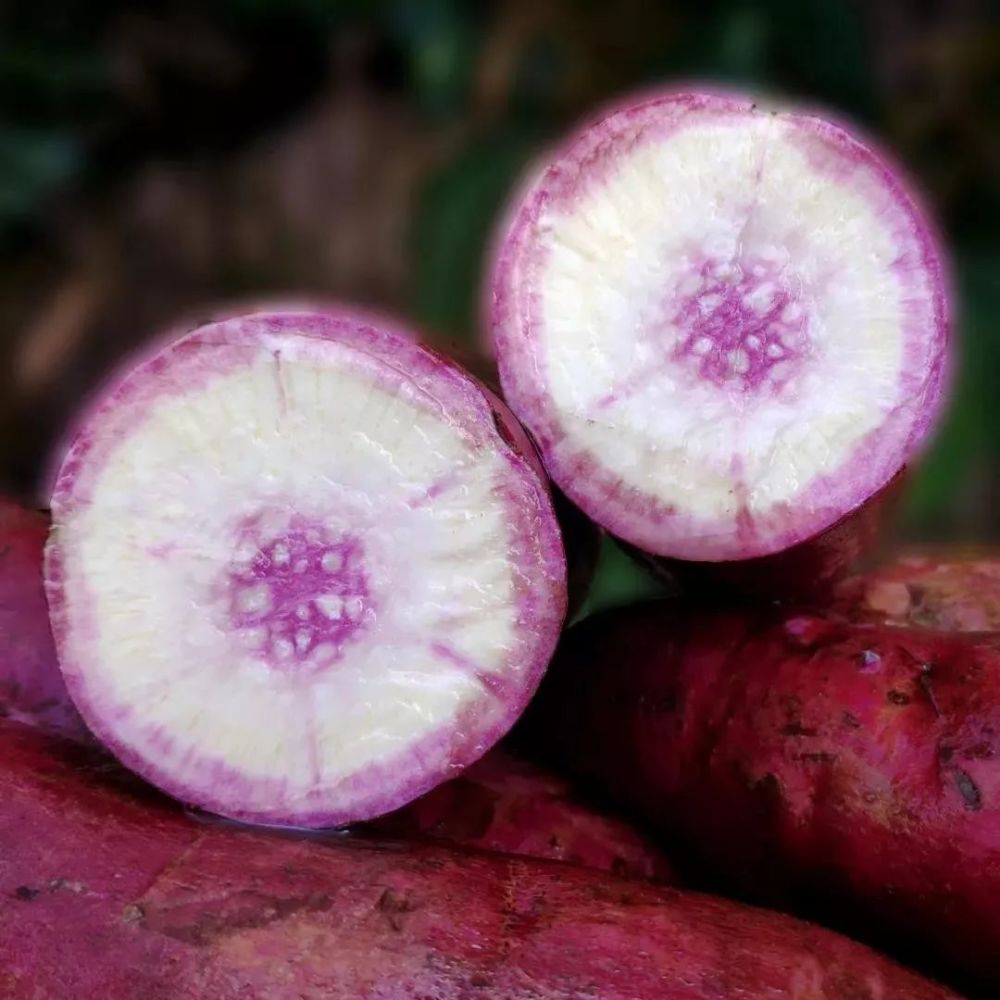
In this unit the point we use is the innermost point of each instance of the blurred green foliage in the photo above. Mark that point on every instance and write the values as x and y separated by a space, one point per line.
439 40
33 163
85 97
968 443
452 225
49 84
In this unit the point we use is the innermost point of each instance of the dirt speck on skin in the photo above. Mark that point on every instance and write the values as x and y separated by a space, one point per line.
925 683
25 893
797 729
969 789
819 757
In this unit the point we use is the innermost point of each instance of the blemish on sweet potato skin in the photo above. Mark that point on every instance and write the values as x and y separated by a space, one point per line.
947 590
396 907
171 907
969 789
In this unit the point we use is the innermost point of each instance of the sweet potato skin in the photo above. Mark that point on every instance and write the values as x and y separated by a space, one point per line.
31 686
508 805
118 893
848 771
952 590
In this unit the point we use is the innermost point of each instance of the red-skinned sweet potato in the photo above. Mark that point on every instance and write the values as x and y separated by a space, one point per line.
848 771
508 805
117 893
31 687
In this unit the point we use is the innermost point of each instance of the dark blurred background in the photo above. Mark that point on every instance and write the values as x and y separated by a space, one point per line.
159 158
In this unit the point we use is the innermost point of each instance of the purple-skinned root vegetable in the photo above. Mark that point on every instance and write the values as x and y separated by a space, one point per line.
31 686
848 771
117 892
500 803
726 327
505 804
301 569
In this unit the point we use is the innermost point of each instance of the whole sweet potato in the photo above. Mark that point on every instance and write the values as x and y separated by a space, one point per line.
850 771
508 805
117 893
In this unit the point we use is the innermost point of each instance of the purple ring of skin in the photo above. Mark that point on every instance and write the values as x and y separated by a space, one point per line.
302 597
515 316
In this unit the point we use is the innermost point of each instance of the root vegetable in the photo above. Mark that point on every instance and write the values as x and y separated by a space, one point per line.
848 771
31 687
726 328
302 570
511 806
118 893
500 803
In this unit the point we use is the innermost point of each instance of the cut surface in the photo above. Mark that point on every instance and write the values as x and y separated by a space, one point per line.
726 327
297 575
